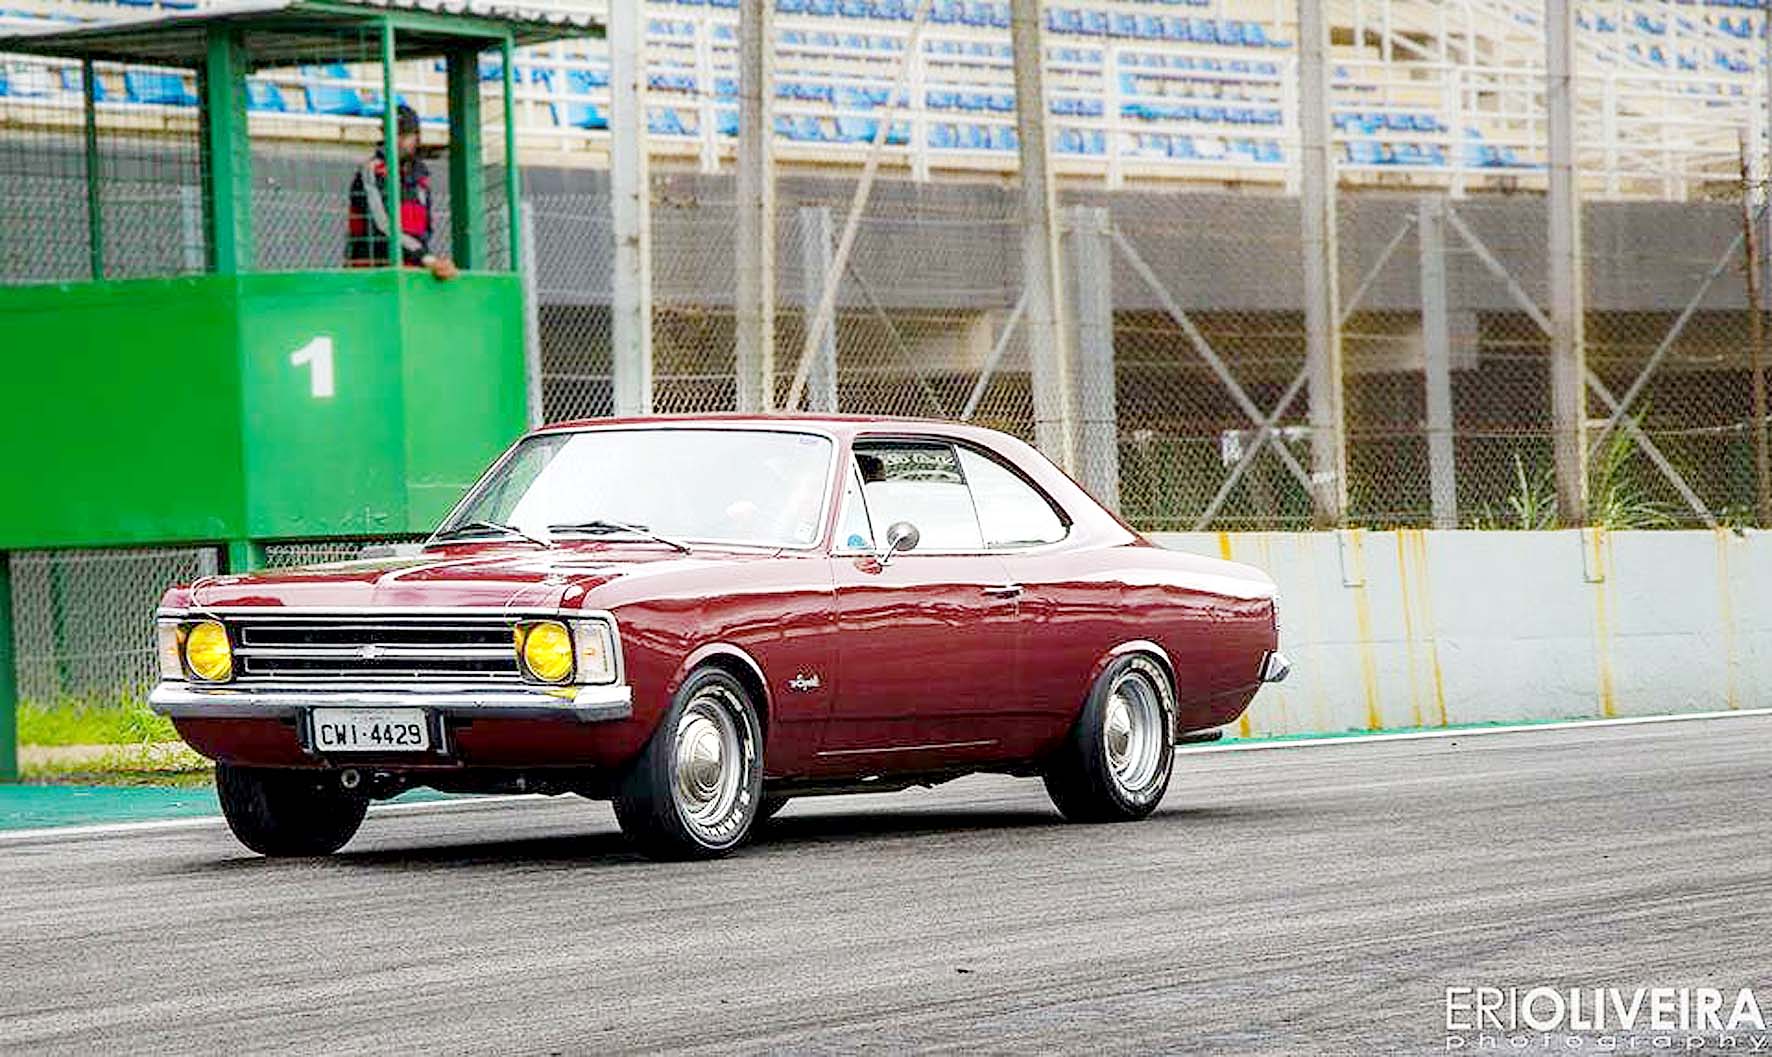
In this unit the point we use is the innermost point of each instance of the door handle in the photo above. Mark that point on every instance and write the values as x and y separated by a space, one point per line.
1004 591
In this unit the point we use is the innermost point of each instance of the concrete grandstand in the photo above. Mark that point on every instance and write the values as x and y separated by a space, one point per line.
1159 92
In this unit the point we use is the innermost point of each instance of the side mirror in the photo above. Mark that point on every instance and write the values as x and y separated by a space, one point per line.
900 536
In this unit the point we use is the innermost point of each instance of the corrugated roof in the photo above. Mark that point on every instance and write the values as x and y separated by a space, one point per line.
285 32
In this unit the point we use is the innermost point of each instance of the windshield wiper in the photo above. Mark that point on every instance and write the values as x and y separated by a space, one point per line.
602 527
482 528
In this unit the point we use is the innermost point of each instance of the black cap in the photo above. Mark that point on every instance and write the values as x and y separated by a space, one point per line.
406 119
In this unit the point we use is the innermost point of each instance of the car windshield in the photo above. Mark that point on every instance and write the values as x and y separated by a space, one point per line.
754 487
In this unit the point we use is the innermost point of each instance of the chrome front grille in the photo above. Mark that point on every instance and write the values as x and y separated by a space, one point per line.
337 647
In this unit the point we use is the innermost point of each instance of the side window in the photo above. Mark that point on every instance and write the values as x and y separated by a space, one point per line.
1011 513
853 530
922 483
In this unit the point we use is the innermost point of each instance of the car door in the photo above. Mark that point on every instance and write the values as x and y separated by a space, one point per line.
1067 616
926 638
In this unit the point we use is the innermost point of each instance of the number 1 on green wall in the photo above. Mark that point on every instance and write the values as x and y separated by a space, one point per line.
316 356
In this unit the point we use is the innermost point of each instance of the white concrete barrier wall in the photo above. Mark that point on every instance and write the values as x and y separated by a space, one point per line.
1391 630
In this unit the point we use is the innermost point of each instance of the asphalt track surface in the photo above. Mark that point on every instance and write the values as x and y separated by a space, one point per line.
1309 900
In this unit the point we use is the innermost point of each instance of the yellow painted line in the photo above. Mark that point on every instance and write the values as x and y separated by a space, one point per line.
1224 546
1409 640
1726 618
1602 622
1419 539
1363 627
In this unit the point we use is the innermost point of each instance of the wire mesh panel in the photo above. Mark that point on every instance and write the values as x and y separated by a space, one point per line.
107 191
83 620
293 553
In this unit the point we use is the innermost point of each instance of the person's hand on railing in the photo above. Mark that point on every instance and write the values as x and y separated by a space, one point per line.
441 268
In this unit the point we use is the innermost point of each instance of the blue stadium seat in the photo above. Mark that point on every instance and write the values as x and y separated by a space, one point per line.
157 88
1254 36
726 121
821 7
942 99
1364 152
857 129
337 100
943 136
1003 102
581 114
976 101
852 8
1204 31
1150 27
1124 25
976 13
265 97
790 7
1005 138
975 137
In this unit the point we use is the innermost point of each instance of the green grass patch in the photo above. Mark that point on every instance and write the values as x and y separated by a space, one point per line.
147 764
112 722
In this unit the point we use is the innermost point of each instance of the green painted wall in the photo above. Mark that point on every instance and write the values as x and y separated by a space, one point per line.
269 405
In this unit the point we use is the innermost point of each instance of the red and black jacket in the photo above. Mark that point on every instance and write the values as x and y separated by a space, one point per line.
367 243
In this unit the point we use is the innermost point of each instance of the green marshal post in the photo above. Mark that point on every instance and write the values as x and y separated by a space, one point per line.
227 404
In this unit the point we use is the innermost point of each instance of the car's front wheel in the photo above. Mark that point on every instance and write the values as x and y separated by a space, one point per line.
283 813
1115 764
696 789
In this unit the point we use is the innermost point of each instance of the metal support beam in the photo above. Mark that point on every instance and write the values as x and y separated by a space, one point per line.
507 54
1322 315
245 556
754 311
8 678
631 212
467 176
1568 347
531 317
1207 353
826 311
228 181
989 370
1042 278
390 126
95 213
1436 342
815 267
1098 450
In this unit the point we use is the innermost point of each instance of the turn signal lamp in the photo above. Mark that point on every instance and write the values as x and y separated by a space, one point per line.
545 649
207 653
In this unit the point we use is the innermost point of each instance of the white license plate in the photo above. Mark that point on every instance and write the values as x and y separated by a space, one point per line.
371 730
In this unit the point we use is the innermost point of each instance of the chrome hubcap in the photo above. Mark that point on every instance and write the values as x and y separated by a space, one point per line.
709 761
1133 731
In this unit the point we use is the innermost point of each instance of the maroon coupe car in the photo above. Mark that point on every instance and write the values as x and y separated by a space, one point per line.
701 618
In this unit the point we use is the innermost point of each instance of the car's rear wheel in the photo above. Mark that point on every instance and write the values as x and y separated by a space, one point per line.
1115 764
696 788
288 812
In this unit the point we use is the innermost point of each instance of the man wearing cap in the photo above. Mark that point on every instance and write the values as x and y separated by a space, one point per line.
367 244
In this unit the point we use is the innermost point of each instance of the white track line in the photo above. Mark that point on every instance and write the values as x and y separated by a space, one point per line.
1281 742
425 806
114 828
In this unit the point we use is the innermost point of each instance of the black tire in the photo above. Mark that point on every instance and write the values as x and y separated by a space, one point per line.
771 805
1118 775
678 800
288 813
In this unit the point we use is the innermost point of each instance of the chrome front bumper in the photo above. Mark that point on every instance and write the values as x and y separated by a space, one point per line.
1275 667
180 700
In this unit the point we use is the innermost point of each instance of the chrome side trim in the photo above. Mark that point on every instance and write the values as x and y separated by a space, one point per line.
1275 667
908 748
590 704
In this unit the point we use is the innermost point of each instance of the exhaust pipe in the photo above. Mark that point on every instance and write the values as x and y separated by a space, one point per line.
350 778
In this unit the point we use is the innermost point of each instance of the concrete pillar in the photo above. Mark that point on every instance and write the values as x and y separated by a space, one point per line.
1092 273
1568 347
1436 340
754 310
1047 332
630 212
1322 302
815 260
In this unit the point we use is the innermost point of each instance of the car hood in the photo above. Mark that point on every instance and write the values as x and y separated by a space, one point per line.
516 577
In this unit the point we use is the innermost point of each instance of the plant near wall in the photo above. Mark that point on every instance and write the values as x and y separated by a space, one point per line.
1616 495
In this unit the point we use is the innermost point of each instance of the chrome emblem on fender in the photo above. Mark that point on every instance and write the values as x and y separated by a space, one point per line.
803 682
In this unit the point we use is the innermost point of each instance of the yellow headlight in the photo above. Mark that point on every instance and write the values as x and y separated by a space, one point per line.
207 653
546 649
